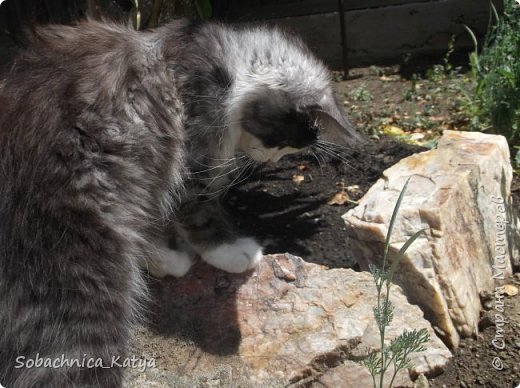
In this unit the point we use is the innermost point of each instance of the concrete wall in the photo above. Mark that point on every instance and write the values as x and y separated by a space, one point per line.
377 31
388 34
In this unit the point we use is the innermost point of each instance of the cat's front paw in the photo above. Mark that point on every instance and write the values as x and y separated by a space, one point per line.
170 262
241 255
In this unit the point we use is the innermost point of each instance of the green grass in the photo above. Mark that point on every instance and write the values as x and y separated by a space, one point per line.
494 105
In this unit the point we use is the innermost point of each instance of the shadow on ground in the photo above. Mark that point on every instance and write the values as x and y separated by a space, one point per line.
286 216
192 307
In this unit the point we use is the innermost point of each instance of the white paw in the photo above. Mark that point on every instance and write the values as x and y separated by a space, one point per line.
241 255
170 262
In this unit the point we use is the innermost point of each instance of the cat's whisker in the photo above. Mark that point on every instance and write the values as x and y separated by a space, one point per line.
244 175
225 162
224 166
225 173
333 146
244 172
336 148
328 144
315 156
326 149
211 168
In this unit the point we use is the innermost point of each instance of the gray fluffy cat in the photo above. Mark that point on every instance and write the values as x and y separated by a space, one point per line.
114 148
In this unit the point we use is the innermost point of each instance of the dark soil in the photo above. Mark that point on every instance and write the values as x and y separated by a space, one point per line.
296 218
473 364
290 214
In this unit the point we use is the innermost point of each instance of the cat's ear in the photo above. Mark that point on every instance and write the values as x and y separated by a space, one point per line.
335 127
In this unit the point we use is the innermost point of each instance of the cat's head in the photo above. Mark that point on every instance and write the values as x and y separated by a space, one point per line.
275 123
287 102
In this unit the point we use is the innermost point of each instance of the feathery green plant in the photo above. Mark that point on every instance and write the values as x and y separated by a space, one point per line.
397 352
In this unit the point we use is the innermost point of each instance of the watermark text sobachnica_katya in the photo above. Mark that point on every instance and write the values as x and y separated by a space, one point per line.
141 364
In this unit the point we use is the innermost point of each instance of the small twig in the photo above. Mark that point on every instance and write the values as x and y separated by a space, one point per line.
156 13
92 9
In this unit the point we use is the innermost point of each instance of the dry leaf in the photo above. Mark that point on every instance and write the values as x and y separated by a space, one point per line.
303 167
392 130
298 179
353 189
416 138
510 290
386 78
437 118
339 198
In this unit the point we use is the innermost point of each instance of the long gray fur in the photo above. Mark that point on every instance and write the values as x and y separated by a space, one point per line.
103 132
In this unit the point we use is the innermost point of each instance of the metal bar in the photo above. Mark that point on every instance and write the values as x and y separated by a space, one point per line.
343 32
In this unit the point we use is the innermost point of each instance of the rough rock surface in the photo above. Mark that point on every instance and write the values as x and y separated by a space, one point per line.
286 323
460 194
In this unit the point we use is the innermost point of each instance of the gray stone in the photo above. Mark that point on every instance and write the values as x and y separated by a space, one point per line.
455 193
287 323
421 382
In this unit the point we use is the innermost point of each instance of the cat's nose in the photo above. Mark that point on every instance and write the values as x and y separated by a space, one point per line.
344 135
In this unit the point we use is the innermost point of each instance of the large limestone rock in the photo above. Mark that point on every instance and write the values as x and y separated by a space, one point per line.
287 323
460 194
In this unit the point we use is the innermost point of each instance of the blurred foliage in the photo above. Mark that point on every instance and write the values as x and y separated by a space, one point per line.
151 13
15 15
18 16
495 102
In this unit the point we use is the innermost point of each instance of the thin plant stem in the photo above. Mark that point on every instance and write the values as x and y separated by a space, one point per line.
397 351
156 13
92 9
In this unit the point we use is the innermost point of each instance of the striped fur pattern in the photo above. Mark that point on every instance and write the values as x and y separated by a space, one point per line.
110 139
91 156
